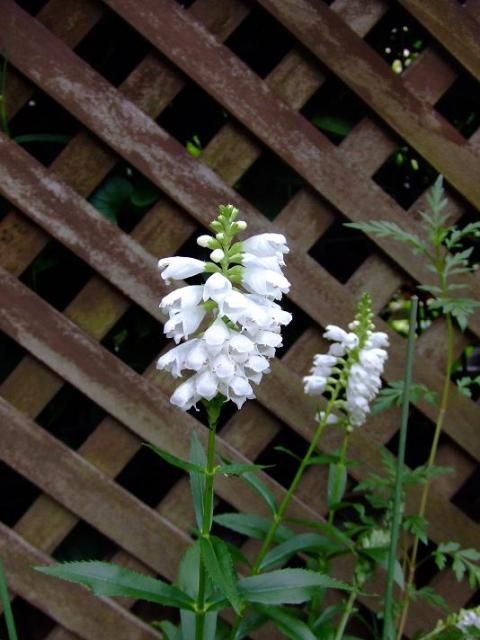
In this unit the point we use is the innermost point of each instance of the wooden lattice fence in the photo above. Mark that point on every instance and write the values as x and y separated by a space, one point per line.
118 124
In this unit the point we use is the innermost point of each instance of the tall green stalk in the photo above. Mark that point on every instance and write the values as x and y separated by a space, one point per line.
388 626
213 411
7 609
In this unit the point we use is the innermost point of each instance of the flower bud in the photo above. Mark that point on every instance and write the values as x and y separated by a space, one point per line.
217 255
239 225
205 241
220 236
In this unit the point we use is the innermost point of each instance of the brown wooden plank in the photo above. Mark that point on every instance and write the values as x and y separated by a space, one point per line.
90 494
175 171
452 26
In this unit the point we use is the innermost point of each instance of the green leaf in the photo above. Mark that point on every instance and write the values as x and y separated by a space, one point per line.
387 229
288 623
392 394
219 566
106 579
296 544
241 469
417 526
332 124
427 594
332 532
337 482
459 308
261 488
6 606
251 525
168 630
251 621
174 461
286 586
197 480
144 193
42 137
111 197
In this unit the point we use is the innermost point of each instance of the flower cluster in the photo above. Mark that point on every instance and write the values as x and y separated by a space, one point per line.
351 369
238 299
468 619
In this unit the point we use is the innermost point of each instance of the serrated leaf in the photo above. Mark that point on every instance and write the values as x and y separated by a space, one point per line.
176 462
251 525
291 626
106 579
286 586
219 566
242 469
387 229
197 480
296 544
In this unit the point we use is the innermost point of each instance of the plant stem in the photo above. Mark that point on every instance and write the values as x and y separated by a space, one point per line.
7 609
426 486
397 500
346 615
341 462
207 519
288 496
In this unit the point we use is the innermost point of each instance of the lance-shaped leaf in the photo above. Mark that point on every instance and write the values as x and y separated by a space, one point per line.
106 579
176 462
251 525
288 623
286 586
296 544
219 566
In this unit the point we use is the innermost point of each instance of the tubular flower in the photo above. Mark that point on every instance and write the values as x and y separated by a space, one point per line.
233 351
351 370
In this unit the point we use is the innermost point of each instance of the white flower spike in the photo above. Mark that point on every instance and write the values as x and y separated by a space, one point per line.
238 298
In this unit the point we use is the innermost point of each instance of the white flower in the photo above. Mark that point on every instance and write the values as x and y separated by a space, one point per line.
468 619
244 329
267 244
178 268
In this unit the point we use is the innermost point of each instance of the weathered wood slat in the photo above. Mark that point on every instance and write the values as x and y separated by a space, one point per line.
71 605
454 27
369 76
167 164
90 494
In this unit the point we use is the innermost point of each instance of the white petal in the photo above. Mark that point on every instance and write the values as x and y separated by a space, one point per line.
206 384
179 267
217 288
216 334
265 282
223 367
266 244
185 396
183 297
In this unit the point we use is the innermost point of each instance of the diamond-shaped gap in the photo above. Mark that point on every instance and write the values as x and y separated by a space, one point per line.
299 324
396 311
334 109
57 275
30 622
260 41
460 105
405 175
341 250
84 543
420 437
32 6
136 339
284 465
398 38
193 118
426 567
467 497
43 127
148 477
16 496
269 184
113 48
11 353
124 197
5 207
70 416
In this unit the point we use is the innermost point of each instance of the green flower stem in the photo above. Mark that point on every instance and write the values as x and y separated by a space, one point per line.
277 519
346 615
341 461
388 627
426 487
213 414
